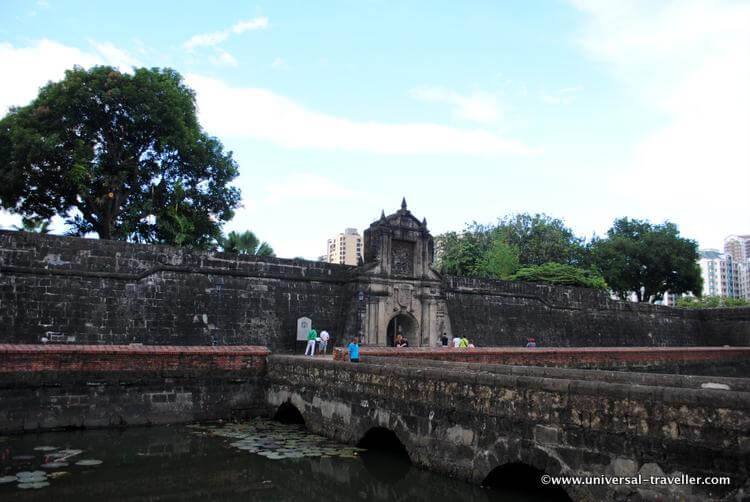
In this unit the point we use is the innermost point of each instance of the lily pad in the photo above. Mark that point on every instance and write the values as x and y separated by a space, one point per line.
24 457
58 474
88 462
7 479
33 486
54 465
30 474
45 448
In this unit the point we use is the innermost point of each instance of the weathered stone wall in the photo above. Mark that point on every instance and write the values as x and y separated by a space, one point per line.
48 387
502 313
717 361
95 291
465 422
74 290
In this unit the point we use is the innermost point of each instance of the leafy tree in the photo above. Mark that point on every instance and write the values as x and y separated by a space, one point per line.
37 225
516 240
557 273
499 261
711 302
460 254
539 239
120 155
647 259
246 243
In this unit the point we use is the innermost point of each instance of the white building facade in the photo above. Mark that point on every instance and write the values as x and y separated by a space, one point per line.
345 248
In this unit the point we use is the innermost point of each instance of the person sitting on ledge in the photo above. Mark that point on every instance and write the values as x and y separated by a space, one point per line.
401 341
531 343
464 343
444 340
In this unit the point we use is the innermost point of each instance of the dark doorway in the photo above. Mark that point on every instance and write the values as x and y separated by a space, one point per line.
522 481
289 414
405 325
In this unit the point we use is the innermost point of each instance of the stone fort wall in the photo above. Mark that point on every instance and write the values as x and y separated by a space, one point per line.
493 312
94 291
74 290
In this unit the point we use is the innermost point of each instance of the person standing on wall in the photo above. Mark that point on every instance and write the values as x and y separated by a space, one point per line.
324 337
354 350
312 335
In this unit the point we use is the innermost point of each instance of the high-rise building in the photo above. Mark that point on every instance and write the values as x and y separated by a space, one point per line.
345 248
719 272
738 247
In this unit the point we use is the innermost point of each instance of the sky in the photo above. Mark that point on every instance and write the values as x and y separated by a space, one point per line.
587 110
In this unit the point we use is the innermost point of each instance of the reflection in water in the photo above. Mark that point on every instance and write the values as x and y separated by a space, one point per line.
174 463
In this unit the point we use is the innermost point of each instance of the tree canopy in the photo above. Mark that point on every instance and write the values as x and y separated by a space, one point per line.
246 243
557 273
122 155
648 260
514 241
539 239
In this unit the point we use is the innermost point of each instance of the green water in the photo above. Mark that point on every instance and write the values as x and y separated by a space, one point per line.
186 463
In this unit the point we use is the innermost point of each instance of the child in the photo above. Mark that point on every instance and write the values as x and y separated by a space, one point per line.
354 350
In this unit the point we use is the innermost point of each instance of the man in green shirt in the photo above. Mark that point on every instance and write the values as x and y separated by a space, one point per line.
312 335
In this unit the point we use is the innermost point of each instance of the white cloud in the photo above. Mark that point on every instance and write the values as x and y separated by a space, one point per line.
478 106
217 37
9 221
253 113
223 58
690 62
115 56
44 61
563 96
279 64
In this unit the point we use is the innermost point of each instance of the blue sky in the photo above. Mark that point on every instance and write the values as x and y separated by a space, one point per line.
585 110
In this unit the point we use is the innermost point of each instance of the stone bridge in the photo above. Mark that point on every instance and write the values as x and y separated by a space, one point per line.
472 421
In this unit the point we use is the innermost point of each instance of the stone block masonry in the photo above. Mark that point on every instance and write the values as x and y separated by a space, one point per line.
49 387
715 361
503 313
87 291
464 421
73 290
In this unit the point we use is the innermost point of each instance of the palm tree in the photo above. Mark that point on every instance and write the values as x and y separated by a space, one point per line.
245 243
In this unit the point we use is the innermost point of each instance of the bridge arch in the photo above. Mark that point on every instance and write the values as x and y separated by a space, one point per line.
287 413
521 478
384 439
405 324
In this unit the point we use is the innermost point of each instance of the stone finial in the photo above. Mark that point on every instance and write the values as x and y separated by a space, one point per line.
424 222
403 203
382 215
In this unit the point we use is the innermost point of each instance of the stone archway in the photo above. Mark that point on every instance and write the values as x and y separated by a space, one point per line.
407 326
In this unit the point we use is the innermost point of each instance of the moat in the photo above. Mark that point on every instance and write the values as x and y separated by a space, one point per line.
217 463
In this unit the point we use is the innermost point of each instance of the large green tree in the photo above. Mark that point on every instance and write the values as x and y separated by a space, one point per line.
514 241
122 155
246 243
646 259
540 239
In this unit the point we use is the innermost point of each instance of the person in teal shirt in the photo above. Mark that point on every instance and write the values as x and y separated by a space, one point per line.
312 335
354 350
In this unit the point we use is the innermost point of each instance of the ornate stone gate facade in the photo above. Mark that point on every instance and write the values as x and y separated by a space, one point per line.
400 291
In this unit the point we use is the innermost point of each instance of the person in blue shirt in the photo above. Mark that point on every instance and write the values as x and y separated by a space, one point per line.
354 350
